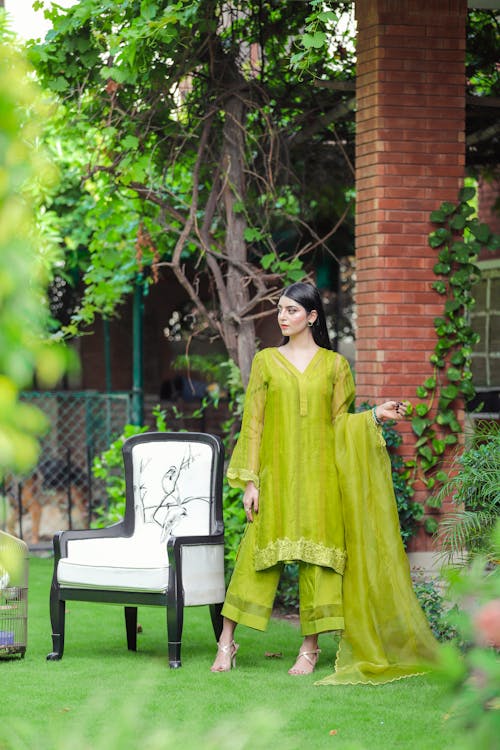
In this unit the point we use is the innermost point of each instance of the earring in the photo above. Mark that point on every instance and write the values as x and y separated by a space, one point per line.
310 323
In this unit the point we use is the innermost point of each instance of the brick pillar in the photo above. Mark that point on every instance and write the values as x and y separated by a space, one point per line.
410 155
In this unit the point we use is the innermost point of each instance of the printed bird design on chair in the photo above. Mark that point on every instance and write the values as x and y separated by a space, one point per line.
172 507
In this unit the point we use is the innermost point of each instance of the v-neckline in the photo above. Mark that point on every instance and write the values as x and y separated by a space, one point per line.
301 372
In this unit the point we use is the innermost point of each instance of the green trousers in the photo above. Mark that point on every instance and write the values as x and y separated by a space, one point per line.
250 594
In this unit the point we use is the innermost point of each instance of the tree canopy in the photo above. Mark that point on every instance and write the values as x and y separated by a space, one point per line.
200 147
207 137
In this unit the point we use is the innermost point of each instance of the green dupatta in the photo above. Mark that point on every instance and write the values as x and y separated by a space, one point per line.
387 636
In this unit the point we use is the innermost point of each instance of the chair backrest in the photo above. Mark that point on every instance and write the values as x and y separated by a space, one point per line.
173 485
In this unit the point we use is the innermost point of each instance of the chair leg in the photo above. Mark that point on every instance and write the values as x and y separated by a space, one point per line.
131 627
215 614
175 621
57 619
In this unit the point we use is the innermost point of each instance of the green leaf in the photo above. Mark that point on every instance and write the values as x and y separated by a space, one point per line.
439 286
421 392
439 237
458 358
297 57
431 525
327 15
130 142
452 305
426 452
438 216
448 208
316 40
421 441
442 268
436 360
466 194
450 391
59 84
430 383
149 9
453 374
419 425
422 409
267 260
252 234
417 510
481 232
458 222
438 446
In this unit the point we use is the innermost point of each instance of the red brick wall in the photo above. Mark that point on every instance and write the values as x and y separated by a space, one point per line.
410 157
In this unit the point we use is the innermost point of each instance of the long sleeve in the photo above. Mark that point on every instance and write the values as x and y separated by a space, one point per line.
245 461
344 390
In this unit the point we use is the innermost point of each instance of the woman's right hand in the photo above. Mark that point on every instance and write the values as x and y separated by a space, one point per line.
251 501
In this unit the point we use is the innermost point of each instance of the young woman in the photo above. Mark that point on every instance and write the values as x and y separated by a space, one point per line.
297 459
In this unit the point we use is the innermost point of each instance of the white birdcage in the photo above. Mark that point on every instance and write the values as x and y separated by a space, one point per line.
13 595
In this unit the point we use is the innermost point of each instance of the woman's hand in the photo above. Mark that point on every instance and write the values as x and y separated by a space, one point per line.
251 500
391 410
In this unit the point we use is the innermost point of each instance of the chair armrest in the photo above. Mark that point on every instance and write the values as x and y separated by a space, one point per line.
179 541
174 544
211 566
62 538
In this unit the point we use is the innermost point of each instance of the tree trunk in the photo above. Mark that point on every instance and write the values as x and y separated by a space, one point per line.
239 335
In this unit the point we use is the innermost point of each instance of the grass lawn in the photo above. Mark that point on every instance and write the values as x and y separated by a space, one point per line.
101 696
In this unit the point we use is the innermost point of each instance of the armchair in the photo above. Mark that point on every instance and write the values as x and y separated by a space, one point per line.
169 549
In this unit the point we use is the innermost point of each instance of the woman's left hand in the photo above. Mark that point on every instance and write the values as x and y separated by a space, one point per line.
392 410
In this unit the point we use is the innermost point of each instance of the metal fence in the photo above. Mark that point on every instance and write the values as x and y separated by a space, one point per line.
62 493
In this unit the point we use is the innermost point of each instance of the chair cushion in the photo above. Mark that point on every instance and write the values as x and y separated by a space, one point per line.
121 564
116 577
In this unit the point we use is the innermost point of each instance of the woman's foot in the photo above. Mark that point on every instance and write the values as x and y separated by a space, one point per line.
306 662
226 657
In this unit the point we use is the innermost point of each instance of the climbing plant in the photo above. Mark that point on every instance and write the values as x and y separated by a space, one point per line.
458 239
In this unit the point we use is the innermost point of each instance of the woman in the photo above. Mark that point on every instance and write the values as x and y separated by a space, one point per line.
295 460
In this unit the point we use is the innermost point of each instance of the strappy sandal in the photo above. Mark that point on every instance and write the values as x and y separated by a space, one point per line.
230 650
307 656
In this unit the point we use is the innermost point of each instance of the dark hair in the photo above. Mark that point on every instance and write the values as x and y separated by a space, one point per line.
309 298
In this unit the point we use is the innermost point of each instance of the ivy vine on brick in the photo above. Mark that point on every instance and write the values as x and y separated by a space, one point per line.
458 240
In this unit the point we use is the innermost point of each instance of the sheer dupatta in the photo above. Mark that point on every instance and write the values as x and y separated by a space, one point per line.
386 636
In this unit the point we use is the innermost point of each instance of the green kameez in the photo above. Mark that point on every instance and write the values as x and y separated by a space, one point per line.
286 447
326 498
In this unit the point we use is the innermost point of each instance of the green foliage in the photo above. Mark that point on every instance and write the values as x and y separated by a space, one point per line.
436 608
26 257
473 672
164 173
459 238
327 42
473 484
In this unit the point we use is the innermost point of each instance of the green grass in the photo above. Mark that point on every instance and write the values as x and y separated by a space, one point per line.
101 696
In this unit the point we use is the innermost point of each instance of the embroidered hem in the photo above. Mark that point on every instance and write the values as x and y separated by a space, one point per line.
284 550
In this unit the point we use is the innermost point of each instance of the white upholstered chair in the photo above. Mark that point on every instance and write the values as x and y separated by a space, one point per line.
167 551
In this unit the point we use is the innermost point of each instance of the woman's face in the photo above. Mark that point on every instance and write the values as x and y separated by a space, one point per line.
292 317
